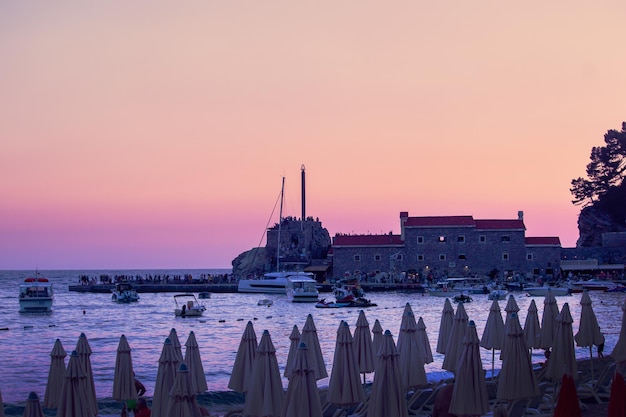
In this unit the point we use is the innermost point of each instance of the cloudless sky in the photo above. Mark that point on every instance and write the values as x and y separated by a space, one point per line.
154 134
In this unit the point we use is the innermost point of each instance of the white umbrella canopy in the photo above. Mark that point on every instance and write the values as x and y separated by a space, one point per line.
173 336
532 330
387 397
84 354
242 368
422 337
469 396
548 321
563 357
589 333
123 376
194 364
309 337
517 377
511 305
445 326
166 374
265 390
294 339
619 351
377 339
33 406
455 341
182 399
493 335
73 401
411 355
407 310
363 345
56 375
302 398
344 386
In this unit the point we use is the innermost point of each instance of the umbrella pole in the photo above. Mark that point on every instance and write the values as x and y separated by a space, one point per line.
493 359
591 360
364 380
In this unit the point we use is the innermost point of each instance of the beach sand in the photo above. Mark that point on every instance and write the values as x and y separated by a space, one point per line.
220 403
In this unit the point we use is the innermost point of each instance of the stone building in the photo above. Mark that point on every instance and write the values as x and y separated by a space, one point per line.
448 246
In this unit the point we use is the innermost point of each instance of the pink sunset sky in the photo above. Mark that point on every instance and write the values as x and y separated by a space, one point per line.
150 134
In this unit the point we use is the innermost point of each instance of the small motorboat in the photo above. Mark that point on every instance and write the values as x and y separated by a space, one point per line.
124 293
497 294
462 298
328 304
265 302
36 295
187 305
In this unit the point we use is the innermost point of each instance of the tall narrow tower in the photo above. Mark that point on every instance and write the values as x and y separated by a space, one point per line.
303 194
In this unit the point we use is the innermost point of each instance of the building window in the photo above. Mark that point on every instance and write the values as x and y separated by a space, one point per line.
505 256
442 257
377 257
462 256
399 257
420 240
529 256
536 271
482 238
460 239
357 258
420 258
442 239
506 238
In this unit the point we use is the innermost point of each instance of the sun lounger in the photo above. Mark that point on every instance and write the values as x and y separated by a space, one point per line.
600 389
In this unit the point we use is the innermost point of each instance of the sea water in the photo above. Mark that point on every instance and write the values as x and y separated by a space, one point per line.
27 339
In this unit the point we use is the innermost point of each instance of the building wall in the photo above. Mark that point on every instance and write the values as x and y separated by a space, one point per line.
370 259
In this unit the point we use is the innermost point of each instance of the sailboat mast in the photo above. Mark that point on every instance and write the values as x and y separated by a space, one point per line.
280 223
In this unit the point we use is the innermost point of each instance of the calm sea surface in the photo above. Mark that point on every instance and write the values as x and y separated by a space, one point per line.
25 347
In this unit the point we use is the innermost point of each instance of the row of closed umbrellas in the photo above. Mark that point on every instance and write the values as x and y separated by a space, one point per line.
397 366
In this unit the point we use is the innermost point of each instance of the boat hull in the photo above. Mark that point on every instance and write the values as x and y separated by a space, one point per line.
36 305
543 291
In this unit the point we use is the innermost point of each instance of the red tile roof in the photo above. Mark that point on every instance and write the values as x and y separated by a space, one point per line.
548 240
439 221
367 240
500 224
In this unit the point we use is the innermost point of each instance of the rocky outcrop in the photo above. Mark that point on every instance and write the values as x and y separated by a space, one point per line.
249 263
592 223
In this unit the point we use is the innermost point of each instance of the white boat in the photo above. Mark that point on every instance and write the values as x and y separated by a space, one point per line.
443 289
302 289
593 284
187 305
497 294
543 291
36 295
124 293
272 282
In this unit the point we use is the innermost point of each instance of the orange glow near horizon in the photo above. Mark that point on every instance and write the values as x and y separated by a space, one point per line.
150 135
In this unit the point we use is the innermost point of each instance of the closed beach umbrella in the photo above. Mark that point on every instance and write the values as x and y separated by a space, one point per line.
244 360
84 354
344 386
517 377
294 339
493 335
302 398
194 364
423 340
33 407
548 320
166 374
589 333
407 310
563 357
469 396
445 326
73 401
182 398
265 390
532 330
511 305
411 355
568 405
619 351
123 376
363 345
455 341
309 337
387 397
617 405
176 343
56 375
377 340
